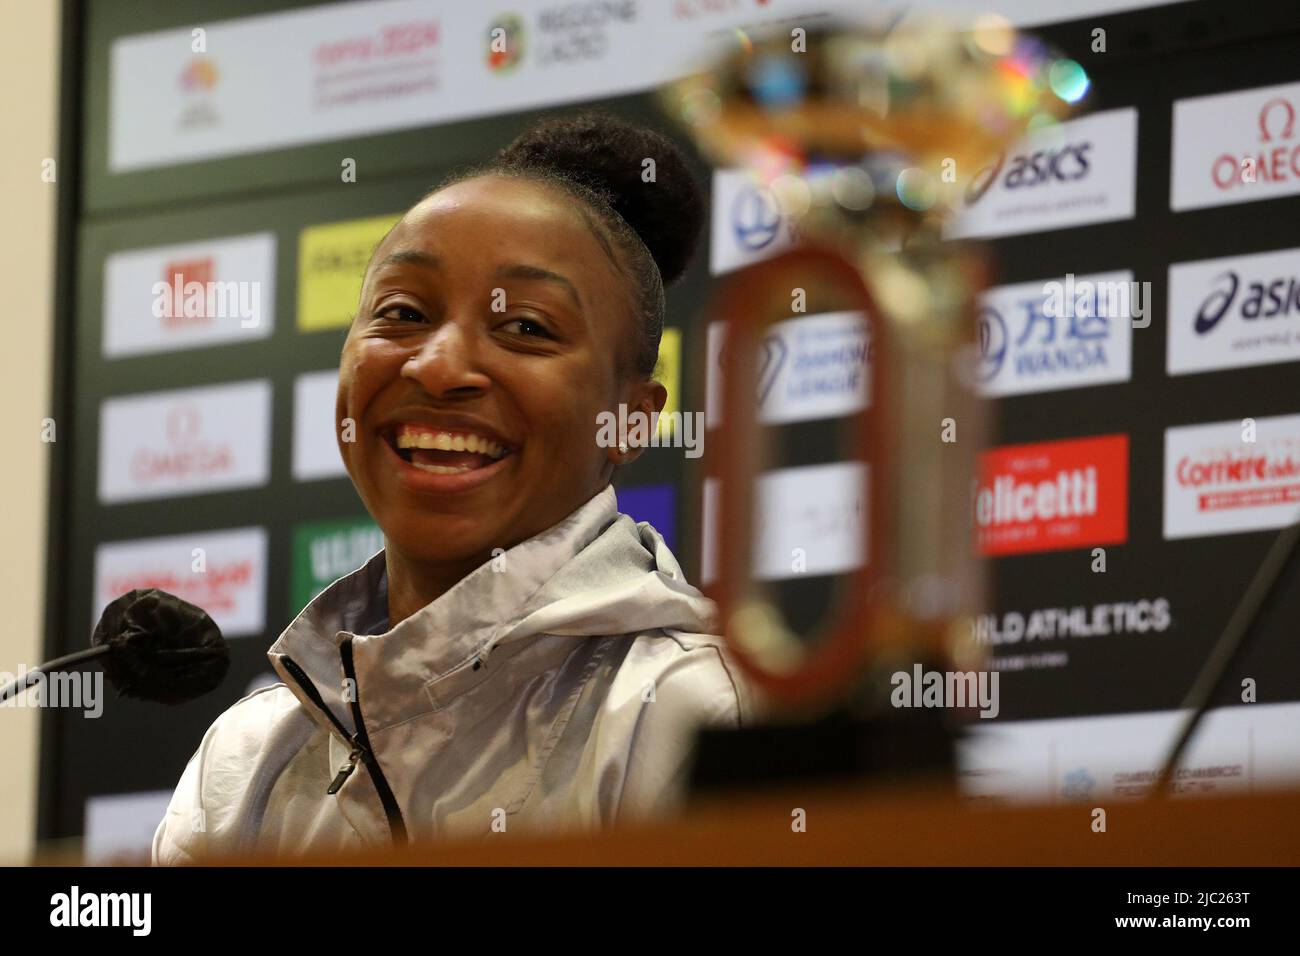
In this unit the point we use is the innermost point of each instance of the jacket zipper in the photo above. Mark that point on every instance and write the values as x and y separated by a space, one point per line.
360 741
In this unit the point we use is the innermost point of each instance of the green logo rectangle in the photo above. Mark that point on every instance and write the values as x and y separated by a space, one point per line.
325 551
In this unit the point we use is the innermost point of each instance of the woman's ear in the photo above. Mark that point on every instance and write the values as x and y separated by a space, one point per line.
644 403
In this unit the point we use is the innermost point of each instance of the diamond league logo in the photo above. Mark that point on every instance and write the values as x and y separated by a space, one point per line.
755 218
771 358
774 353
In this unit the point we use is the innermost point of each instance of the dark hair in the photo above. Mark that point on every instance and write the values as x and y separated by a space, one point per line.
649 229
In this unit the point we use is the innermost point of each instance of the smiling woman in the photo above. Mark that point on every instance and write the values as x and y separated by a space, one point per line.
520 656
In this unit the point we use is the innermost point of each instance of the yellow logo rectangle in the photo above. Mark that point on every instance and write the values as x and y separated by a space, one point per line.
668 371
331 265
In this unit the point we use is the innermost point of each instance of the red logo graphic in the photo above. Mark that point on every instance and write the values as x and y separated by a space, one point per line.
1229 479
1052 496
1273 164
216 590
200 74
179 276
187 456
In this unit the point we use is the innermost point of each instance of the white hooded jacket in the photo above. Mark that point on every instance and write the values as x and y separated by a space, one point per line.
559 685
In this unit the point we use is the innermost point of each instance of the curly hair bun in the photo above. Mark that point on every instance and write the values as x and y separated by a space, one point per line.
609 155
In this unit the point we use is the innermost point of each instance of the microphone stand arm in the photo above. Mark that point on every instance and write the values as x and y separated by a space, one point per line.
59 663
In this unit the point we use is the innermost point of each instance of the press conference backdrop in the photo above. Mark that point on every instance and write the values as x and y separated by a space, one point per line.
1171 442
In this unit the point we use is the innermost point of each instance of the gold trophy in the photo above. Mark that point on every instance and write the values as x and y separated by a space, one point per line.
867 134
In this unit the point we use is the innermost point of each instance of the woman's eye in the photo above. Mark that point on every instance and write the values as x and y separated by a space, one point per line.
528 327
399 313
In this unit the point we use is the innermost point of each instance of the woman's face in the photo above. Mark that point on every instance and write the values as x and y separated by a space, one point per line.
489 335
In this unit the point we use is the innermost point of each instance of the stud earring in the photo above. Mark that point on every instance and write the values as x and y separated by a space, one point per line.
622 448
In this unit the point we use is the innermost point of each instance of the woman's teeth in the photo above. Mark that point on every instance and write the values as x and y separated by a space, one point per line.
441 469
448 441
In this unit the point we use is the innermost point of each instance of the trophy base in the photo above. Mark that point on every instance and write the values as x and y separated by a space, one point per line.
912 747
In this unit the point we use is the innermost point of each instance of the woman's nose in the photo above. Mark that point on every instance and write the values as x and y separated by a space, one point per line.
447 362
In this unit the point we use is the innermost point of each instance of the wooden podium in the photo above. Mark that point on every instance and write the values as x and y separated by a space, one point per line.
899 828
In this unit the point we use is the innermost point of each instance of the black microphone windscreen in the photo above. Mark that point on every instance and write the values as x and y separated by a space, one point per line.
163 648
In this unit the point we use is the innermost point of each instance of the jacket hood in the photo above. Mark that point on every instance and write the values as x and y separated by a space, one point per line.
594 574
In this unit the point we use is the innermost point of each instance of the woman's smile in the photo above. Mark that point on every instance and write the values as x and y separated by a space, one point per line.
434 459
425 477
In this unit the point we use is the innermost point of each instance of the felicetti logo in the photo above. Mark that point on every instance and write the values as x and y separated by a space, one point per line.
1232 476
1274 159
577 32
505 38
1052 496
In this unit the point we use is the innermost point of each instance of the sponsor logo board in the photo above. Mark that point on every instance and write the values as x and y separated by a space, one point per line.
1218 483
184 442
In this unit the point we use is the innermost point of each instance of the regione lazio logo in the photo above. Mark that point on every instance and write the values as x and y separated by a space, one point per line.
1235 147
1065 333
184 442
1074 173
570 33
1052 496
223 572
1232 476
1234 312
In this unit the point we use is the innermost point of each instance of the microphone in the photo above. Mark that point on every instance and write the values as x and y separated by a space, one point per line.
155 646
1259 598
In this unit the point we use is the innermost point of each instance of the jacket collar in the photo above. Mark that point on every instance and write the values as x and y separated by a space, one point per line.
412 668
